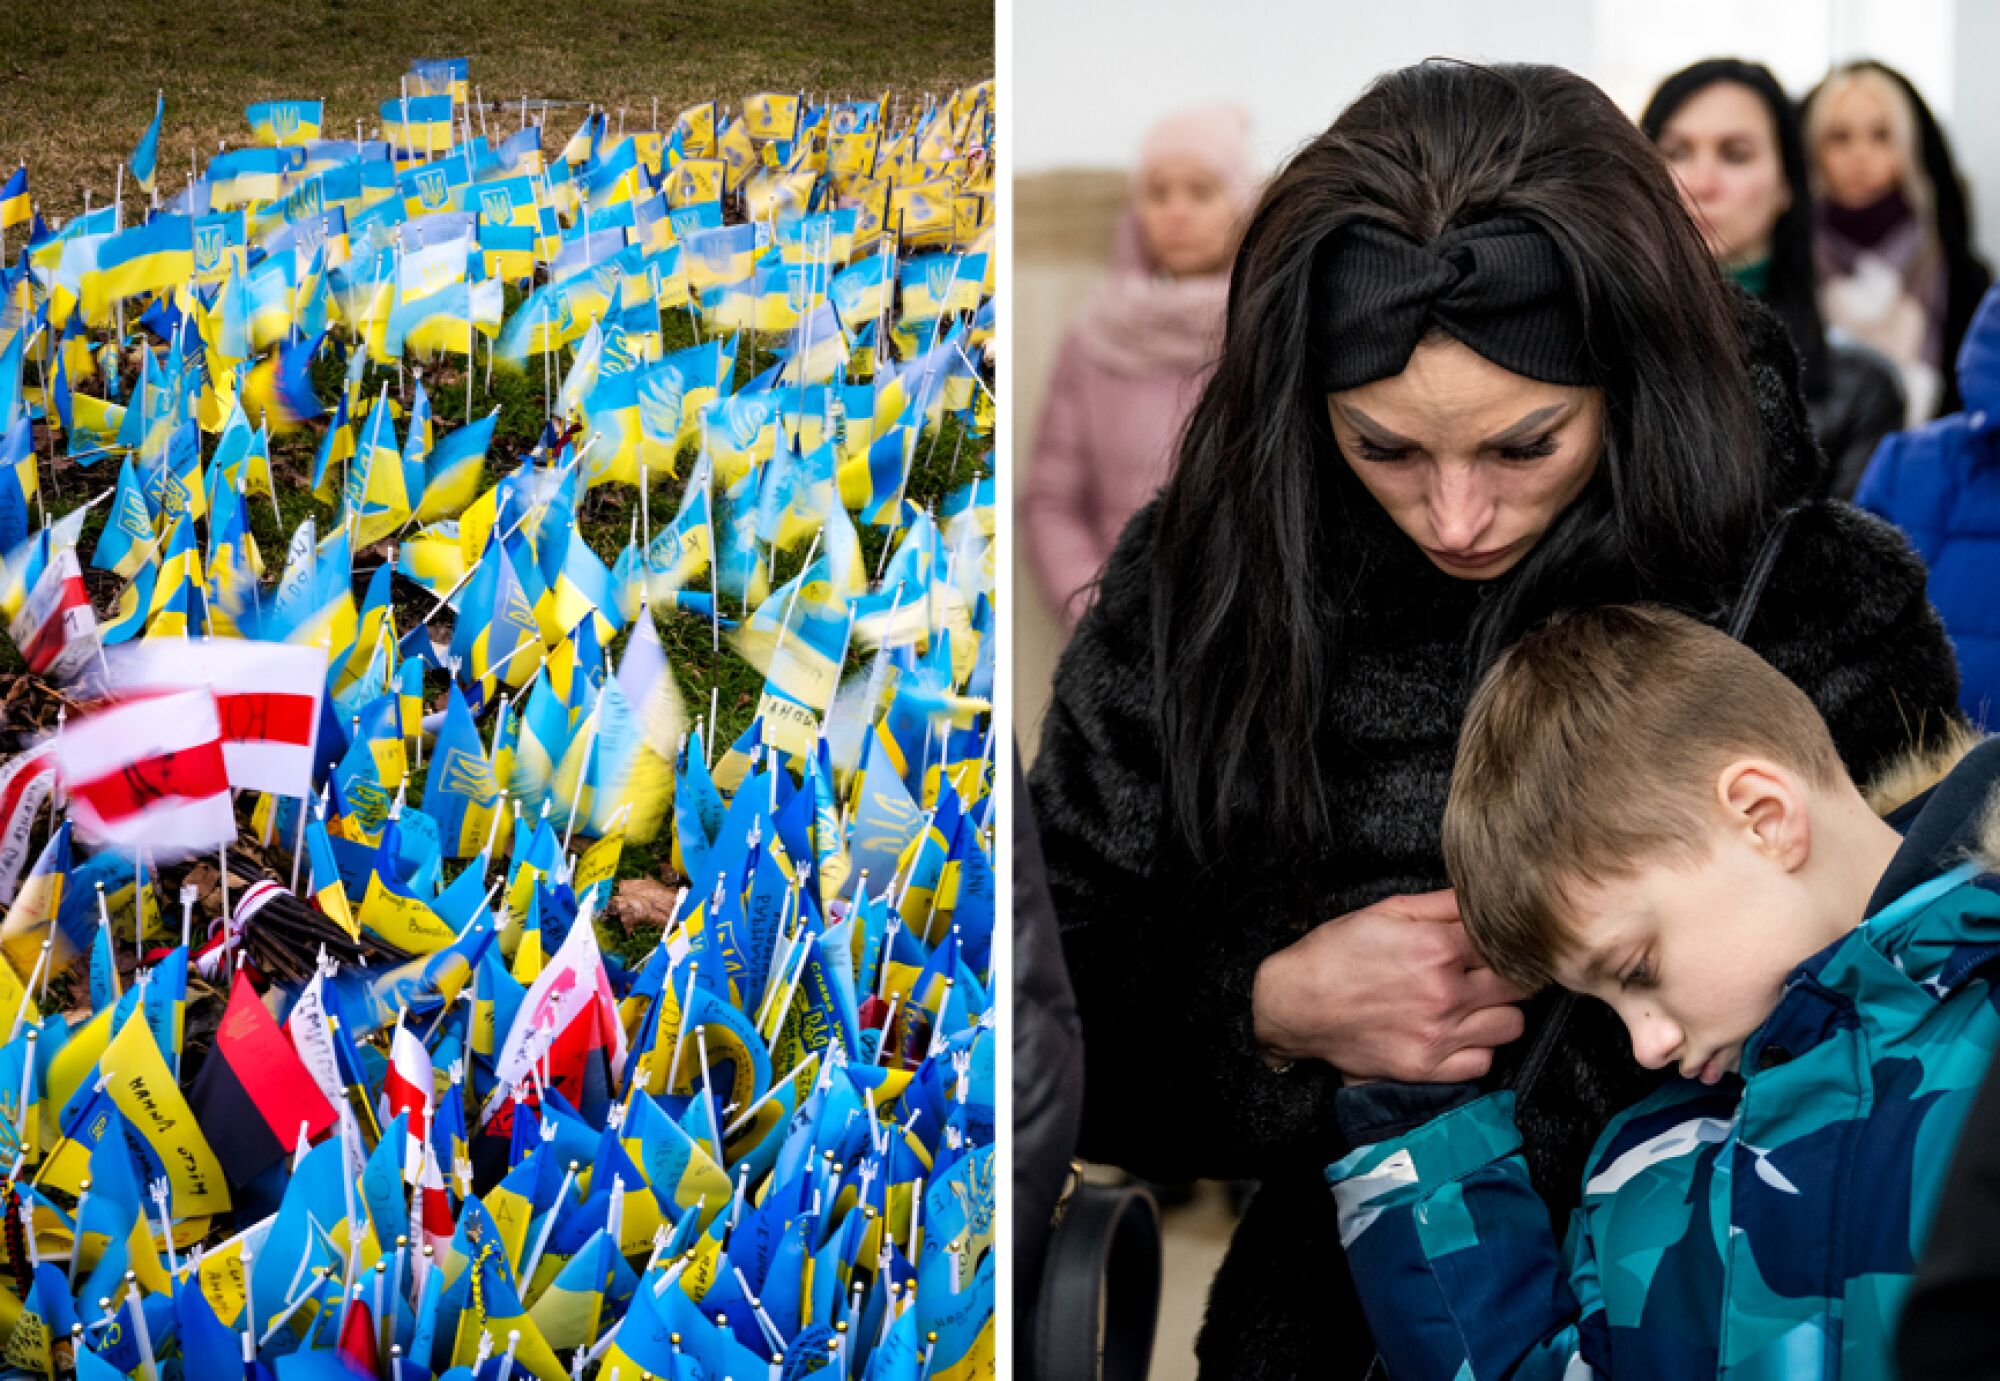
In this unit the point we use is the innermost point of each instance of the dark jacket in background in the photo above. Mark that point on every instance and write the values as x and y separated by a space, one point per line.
1941 485
1048 1062
1862 403
1163 954
1949 1331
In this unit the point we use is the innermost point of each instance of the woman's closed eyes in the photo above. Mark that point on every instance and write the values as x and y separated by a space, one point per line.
1537 449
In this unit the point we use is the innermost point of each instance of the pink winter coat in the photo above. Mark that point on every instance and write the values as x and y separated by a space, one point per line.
1127 375
1104 447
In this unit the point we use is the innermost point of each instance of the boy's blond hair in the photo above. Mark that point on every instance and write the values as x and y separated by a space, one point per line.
1590 751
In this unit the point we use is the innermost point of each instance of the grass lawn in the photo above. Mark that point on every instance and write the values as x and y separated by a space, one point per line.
77 84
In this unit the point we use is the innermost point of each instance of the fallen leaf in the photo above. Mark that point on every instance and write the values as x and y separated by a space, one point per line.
644 904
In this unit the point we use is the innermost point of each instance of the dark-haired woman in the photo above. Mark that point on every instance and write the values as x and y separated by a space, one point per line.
1733 141
1477 367
1896 266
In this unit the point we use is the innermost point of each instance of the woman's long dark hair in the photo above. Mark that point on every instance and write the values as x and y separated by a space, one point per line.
1966 275
1792 289
1260 538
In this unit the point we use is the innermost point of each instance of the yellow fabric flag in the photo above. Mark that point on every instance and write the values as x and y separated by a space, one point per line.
599 862
69 1068
224 1279
28 1344
403 920
13 994
496 1309
144 1089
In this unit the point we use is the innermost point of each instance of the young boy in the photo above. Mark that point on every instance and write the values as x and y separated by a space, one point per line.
1648 814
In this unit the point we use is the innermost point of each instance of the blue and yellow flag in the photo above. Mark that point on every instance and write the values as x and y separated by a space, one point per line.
460 792
14 207
457 469
180 575
147 258
146 157
285 122
241 177
720 256
583 589
319 610
375 501
175 486
128 535
324 885
418 126
497 624
544 737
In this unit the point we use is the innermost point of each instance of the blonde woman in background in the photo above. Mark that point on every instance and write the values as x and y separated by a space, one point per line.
1895 261
1732 137
1132 365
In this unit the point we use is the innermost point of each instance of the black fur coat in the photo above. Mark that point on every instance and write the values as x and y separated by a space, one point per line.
1163 956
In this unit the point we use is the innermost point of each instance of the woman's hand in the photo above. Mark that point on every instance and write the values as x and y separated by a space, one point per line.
1392 991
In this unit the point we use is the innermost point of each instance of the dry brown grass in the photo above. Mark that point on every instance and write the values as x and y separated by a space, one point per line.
77 81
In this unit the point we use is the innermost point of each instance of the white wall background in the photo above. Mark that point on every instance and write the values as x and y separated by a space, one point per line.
1089 77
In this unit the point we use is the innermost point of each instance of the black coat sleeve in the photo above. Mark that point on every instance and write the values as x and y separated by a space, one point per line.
1176 1086
1048 1058
1845 616
1863 403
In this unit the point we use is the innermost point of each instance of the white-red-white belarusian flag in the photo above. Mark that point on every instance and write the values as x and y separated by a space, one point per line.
25 782
56 629
408 1086
434 1213
266 694
149 774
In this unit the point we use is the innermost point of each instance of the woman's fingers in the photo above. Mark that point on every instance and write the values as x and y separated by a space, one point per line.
1485 988
1441 905
1474 1062
1490 1027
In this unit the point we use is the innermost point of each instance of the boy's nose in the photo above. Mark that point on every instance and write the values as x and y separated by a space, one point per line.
1656 1041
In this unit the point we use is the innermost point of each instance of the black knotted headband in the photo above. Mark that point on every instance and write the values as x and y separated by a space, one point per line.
1498 286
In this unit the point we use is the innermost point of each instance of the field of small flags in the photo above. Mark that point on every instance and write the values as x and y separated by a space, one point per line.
496 747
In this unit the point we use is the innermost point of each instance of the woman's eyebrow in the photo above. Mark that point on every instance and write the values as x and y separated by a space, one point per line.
1379 435
1525 429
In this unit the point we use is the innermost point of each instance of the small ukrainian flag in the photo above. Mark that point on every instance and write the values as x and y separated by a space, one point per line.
146 158
14 209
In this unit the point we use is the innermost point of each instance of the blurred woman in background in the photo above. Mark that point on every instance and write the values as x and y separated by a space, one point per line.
1896 266
1132 365
1733 140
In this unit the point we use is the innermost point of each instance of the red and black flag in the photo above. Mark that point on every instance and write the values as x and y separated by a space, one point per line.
254 1093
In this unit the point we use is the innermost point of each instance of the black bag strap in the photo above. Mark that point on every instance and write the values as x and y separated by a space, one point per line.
1752 593
1100 1295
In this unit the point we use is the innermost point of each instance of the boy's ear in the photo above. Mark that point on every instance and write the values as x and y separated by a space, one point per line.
1769 805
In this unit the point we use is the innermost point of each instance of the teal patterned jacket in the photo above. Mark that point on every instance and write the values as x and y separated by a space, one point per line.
1762 1228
